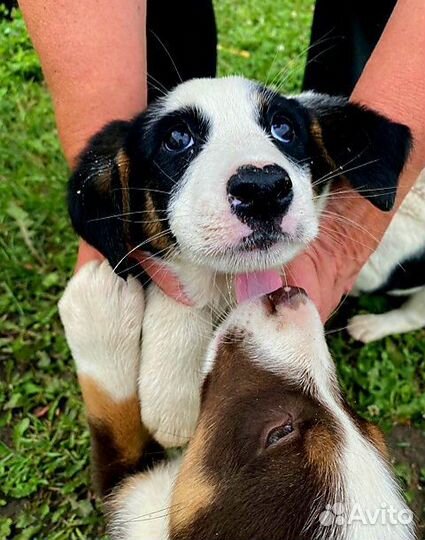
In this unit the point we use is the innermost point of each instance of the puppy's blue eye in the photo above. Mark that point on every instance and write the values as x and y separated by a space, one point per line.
281 129
178 140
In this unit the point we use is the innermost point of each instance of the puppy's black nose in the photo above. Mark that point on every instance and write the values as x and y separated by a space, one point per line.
259 194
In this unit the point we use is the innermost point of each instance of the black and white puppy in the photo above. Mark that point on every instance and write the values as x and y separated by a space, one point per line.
397 268
221 177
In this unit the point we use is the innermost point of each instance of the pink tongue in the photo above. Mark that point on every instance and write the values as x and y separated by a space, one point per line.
256 284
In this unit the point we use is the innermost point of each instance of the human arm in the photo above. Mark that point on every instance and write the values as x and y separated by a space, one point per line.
93 56
393 83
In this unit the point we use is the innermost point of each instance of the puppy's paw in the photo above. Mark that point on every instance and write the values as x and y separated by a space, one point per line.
173 417
175 339
368 328
102 315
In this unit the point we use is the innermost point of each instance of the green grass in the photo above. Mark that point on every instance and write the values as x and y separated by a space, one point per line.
44 448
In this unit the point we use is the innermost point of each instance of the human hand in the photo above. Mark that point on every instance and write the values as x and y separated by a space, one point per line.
350 230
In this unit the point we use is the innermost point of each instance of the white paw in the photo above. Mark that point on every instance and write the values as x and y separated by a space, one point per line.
367 328
172 420
102 315
175 340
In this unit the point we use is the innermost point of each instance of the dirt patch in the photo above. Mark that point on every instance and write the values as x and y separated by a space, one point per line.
408 448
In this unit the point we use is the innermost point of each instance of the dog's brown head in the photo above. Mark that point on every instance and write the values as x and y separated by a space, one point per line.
276 446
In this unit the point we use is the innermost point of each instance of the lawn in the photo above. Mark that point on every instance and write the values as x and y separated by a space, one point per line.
44 448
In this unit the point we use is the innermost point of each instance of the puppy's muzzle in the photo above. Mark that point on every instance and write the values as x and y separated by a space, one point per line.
259 195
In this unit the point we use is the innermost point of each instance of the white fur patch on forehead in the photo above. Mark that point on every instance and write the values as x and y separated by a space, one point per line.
290 342
209 96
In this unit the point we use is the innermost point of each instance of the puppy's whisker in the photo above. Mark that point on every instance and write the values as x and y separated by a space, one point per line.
350 222
138 246
158 220
164 252
341 167
340 193
340 238
134 188
167 52
156 514
300 56
122 214
284 79
342 171
163 172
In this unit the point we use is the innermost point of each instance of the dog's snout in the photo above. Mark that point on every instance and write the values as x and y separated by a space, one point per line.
260 194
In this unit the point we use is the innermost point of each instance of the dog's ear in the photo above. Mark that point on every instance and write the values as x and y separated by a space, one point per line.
98 191
359 144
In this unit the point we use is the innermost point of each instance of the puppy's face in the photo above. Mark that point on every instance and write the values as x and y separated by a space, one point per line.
245 199
227 174
276 445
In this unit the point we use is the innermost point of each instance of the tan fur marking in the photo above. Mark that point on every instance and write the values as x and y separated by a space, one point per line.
103 181
377 438
123 163
121 418
322 449
153 226
194 490
316 131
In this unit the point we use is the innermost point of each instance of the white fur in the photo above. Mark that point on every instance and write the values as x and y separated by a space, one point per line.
175 340
141 508
102 315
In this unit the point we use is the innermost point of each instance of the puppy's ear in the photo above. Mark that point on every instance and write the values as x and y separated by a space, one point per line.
360 144
98 192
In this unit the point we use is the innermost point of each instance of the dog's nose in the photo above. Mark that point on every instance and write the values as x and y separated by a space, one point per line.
259 193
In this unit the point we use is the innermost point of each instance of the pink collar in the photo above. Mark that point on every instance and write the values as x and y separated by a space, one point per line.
162 276
247 285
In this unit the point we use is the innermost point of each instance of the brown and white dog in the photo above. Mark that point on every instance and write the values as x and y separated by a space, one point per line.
276 454
219 178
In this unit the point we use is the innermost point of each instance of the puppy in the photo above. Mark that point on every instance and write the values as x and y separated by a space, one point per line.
397 268
219 178
277 454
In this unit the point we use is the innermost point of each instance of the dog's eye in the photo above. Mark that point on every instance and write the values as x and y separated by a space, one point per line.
281 129
278 433
178 140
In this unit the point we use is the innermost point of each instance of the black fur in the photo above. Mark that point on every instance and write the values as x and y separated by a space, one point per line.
88 206
409 274
364 146
98 215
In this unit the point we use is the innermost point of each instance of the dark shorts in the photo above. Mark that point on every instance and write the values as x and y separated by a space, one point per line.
182 42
